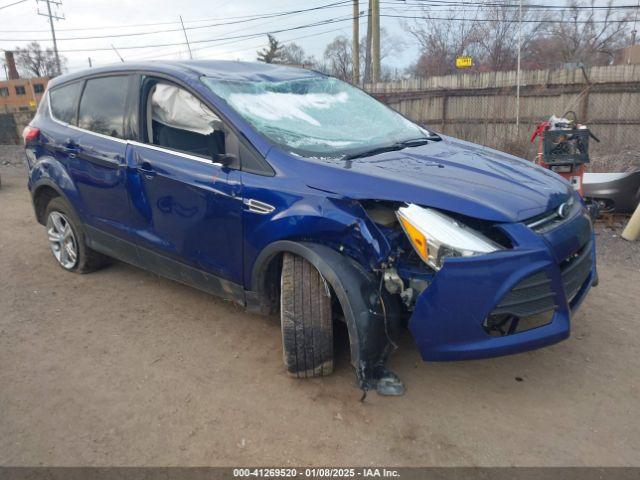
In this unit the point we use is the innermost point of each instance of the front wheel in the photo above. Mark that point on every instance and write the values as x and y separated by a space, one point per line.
306 320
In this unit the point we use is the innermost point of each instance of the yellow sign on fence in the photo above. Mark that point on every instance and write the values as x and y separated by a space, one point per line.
464 62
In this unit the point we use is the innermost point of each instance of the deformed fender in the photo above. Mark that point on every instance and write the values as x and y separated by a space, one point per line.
50 173
372 321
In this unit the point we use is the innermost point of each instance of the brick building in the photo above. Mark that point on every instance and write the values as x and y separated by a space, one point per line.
20 94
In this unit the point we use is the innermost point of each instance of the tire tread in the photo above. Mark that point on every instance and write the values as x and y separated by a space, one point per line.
307 328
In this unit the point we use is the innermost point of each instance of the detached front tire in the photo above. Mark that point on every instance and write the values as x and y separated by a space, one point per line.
306 320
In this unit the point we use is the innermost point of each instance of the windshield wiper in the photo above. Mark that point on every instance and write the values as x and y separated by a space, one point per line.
414 142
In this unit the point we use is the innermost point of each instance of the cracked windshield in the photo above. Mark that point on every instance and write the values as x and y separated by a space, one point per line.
316 117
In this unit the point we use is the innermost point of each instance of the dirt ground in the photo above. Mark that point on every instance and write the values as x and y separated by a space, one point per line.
121 367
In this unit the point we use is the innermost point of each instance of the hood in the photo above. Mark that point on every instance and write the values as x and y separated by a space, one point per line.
450 175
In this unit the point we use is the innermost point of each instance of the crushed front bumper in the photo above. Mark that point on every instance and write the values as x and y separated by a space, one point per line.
550 272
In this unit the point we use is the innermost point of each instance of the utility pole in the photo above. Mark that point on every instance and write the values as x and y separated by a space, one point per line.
53 16
518 70
90 65
355 45
186 38
634 32
367 53
375 40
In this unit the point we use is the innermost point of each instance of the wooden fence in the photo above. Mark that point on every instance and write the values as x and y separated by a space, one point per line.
482 107
11 126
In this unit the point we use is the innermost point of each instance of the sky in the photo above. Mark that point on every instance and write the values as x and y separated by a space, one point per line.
217 29
20 23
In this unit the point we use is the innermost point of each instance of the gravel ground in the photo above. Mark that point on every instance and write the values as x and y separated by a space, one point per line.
11 155
612 248
121 367
625 161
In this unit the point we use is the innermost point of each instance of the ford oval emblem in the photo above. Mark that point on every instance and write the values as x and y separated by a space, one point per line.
563 210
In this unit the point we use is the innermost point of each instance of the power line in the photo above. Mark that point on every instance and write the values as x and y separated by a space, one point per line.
252 35
181 29
169 54
454 3
250 18
495 20
225 21
12 4
225 42
133 25
311 25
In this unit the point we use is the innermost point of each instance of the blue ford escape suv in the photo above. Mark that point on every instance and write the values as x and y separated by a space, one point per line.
286 190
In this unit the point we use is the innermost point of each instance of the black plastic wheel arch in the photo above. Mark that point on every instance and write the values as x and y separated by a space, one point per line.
371 328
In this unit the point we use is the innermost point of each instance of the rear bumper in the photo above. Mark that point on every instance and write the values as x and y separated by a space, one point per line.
448 322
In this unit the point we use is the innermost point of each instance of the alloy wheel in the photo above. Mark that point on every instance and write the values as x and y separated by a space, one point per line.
62 240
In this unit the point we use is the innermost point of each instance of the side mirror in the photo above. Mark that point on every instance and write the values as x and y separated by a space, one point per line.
226 159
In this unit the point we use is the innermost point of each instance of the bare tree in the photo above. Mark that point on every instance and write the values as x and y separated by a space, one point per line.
581 34
497 35
587 35
33 60
441 41
389 45
294 54
338 60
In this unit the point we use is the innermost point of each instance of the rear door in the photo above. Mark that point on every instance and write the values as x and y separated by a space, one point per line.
97 153
186 206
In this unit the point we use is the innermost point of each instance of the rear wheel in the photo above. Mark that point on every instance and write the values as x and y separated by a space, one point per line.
67 241
305 315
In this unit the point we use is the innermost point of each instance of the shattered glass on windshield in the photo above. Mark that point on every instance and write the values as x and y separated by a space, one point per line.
315 117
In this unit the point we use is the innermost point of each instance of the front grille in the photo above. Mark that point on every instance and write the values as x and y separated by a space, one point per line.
530 296
550 220
534 296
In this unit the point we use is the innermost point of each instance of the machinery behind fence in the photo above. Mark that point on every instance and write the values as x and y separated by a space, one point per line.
482 107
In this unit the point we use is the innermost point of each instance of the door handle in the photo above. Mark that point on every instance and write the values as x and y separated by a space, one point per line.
146 169
71 148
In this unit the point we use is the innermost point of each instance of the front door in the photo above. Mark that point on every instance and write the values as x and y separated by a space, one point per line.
186 207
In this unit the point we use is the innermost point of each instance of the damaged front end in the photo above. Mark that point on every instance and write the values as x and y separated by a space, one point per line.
412 244
466 288
472 289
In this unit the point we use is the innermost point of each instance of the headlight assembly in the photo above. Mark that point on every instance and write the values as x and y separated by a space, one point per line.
436 236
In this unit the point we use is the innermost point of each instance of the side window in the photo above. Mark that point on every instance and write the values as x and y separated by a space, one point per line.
102 106
43 108
64 102
20 90
38 88
177 120
4 92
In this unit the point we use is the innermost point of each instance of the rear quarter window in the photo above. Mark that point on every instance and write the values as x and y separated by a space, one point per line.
64 102
103 104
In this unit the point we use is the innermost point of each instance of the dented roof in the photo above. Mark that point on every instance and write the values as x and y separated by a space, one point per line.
218 69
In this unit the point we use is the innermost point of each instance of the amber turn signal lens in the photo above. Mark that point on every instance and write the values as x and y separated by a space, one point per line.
418 240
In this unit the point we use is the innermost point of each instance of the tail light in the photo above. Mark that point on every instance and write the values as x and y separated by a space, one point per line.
30 134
